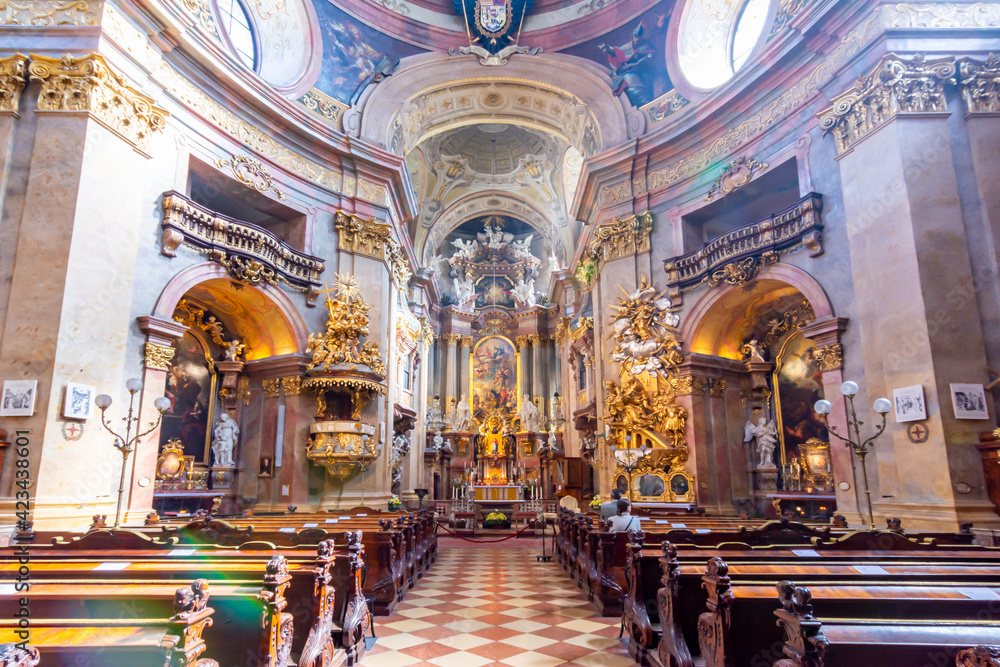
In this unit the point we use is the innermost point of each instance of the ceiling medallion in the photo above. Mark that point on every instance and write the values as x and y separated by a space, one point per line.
493 99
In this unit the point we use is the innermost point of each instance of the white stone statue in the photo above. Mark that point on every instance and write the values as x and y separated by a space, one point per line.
438 441
452 416
494 237
463 416
767 439
226 433
465 289
234 349
522 248
553 442
524 292
465 249
753 351
554 260
528 414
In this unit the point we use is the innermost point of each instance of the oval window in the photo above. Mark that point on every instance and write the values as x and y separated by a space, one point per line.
749 27
236 23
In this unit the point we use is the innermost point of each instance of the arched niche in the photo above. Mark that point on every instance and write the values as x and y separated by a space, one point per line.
262 317
432 93
713 326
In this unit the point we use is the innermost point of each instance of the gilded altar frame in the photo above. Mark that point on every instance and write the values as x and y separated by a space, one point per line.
472 374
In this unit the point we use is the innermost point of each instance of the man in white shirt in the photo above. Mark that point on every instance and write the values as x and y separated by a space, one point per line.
623 521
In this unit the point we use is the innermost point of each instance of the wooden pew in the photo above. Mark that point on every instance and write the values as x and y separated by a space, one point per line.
326 616
175 641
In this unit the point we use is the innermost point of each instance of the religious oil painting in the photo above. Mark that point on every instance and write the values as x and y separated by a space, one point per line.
18 398
78 403
494 377
354 54
799 384
189 388
969 401
651 485
496 291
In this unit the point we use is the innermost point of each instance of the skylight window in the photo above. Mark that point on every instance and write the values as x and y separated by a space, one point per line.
236 23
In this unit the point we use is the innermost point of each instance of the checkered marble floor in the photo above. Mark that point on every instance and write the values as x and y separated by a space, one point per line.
480 607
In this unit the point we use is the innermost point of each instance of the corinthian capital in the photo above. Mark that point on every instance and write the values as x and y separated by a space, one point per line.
89 84
11 82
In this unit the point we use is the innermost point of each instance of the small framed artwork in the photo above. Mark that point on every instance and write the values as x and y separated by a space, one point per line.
969 401
909 402
18 398
265 467
78 403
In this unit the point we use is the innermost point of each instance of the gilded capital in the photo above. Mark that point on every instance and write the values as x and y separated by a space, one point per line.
622 237
89 84
292 385
12 82
157 356
465 341
689 385
830 357
896 85
979 83
521 342
272 387
534 338
717 388
373 239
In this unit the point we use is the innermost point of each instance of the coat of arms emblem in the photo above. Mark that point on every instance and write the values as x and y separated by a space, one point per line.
493 17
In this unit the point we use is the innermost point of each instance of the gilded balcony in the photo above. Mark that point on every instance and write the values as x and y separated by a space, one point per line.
736 256
250 253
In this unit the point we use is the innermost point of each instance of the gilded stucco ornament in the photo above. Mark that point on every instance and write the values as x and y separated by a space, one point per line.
89 84
12 81
49 12
648 352
622 237
157 356
896 85
741 271
271 387
346 325
249 171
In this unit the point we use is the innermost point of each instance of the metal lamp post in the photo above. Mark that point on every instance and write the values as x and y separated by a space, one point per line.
126 444
858 446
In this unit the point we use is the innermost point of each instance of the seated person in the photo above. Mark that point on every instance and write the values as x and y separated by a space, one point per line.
623 521
610 508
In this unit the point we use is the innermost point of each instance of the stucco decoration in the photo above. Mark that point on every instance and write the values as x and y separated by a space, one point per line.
290 43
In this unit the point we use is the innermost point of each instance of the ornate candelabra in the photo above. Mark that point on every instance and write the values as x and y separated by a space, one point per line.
126 444
363 456
858 446
628 459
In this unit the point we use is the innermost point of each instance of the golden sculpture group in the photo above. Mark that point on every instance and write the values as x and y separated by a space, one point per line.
649 353
346 325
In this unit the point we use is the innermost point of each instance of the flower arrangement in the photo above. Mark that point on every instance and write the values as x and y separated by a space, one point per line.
595 502
496 520
395 504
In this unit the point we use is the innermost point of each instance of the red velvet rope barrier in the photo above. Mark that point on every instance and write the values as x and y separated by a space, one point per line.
502 539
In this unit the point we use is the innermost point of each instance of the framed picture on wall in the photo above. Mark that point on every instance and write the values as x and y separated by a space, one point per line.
266 467
18 398
969 401
909 403
78 402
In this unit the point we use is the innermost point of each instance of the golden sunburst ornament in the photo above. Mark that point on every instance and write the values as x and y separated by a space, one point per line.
347 288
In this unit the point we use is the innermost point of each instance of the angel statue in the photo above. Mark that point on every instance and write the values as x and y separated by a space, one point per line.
528 414
494 237
465 249
752 350
234 349
524 292
465 290
522 248
767 438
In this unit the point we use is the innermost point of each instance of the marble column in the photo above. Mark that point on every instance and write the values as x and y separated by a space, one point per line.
13 159
537 370
451 374
524 367
465 363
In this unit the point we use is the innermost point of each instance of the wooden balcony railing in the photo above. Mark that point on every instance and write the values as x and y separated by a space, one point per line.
250 253
736 256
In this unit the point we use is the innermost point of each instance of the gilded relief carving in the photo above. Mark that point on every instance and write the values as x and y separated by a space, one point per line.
621 238
89 84
346 325
741 271
272 387
734 176
249 171
12 82
292 385
896 85
202 14
323 105
158 356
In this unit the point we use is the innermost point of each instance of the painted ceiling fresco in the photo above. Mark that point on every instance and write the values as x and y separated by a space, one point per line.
634 55
354 54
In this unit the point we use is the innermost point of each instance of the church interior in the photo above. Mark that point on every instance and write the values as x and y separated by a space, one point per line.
499 332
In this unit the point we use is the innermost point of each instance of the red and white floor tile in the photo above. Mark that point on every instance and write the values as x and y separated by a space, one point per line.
499 606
